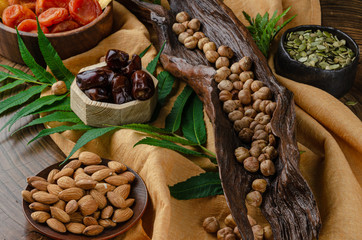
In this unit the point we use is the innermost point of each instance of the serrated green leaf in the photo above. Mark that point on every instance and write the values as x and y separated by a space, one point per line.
145 51
34 106
53 60
204 185
301 152
193 125
165 83
145 127
40 73
173 120
4 75
151 67
351 103
87 137
18 74
20 98
62 105
11 85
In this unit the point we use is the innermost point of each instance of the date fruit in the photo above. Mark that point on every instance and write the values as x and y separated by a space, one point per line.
143 86
116 59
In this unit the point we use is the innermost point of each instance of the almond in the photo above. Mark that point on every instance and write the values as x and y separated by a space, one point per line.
29 180
71 193
88 207
122 215
60 204
102 174
59 214
89 221
123 190
64 172
117 166
74 164
40 216
56 225
77 172
84 199
81 176
99 198
40 185
37 206
76 228
107 212
104 188
34 190
129 202
89 158
76 217
44 197
71 207
116 180
97 214
107 223
51 175
66 182
93 230
116 200
27 196
54 189
86 184
129 175
94 168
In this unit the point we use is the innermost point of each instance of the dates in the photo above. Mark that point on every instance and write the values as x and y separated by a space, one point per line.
121 89
97 94
92 79
116 59
143 87
134 65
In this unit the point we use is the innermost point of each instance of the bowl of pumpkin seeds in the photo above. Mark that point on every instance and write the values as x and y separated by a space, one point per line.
320 56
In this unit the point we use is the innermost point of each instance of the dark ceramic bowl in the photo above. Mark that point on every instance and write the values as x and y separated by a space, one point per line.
336 82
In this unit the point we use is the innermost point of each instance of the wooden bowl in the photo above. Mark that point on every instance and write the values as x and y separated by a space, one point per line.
138 192
97 114
336 82
67 44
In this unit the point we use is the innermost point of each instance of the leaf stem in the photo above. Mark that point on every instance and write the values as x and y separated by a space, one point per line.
207 150
30 81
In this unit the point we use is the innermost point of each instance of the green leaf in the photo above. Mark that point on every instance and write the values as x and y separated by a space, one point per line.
145 127
145 51
173 120
157 2
20 98
11 85
53 60
204 185
172 146
18 74
87 137
4 75
351 103
151 67
301 152
62 105
193 125
34 106
165 83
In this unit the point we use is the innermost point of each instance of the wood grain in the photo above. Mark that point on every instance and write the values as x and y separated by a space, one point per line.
19 160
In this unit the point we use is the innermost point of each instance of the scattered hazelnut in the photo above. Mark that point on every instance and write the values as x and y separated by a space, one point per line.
235 68
241 154
190 31
245 63
194 24
263 157
222 73
259 185
183 36
190 42
268 128
238 104
272 140
225 85
264 104
251 220
253 124
235 94
178 28
222 62
209 46
229 106
259 116
199 35
259 127
264 119
211 56
267 168
256 85
225 95
254 198
202 42
244 76
263 93
211 225
59 88
270 150
237 232
242 123
255 151
247 84
250 74
270 108
258 232
185 24
260 135
245 97
234 77
225 51
182 17
251 164
223 232
268 233
229 221
250 113
256 105
235 115
238 85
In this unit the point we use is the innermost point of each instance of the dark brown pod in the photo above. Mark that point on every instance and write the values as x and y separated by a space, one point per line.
143 87
121 89
97 94
95 78
133 65
116 59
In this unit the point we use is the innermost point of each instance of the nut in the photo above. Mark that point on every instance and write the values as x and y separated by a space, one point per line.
222 73
267 168
123 190
185 23
245 63
251 220
211 225
256 85
225 95
71 207
270 150
60 204
258 232
235 115
76 228
63 172
122 215
89 221
129 202
223 232
225 51
183 36
73 193
271 138
190 31
56 225
194 24
107 223
59 88
225 85
27 196
104 187
93 168
211 56
251 164
259 185
66 182
178 28
222 62
229 106
245 76
191 42
40 216
182 17
247 84
199 35
129 176
255 151
116 180
107 212
238 85
202 42
234 77
93 230
250 113
51 175
36 206
263 157
260 135
88 206
89 158
245 97
263 93
235 68
254 198
117 166
99 198
86 184
243 123
229 221
209 46
270 108
241 154
268 233
102 174
44 197
59 214
116 200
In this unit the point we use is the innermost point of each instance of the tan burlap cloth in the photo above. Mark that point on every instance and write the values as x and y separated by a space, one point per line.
327 130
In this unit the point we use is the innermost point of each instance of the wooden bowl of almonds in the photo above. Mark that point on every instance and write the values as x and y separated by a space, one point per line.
88 198
323 57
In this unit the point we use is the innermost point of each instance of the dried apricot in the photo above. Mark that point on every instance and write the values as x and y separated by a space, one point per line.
53 16
29 25
84 11
26 3
15 14
43 5
64 26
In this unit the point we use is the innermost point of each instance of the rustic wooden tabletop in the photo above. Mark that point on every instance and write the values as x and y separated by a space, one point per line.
19 160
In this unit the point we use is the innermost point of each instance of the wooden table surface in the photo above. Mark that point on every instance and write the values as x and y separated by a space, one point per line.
19 160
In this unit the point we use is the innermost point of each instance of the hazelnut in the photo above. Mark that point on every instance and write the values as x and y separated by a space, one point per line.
237 233
238 85
256 105
253 124
183 36
254 198
251 220
194 24
272 140
260 135
244 76
211 225
235 115
256 85
259 127
190 42
178 28
245 63
202 42
235 94
263 93
259 185
263 105
211 56
270 108
238 104
241 154
268 128
222 62
185 24
264 119
229 221
225 95
222 233
246 107
235 68
263 157
270 150
251 164
249 73
259 116
267 168
250 113
225 51
234 77
225 85
247 84
190 31
258 232
209 46
59 88
229 106
242 123
199 35
245 97
268 233
222 73
182 17
230 236
255 151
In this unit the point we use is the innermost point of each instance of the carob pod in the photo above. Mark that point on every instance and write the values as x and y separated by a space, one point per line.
143 87
121 89
288 204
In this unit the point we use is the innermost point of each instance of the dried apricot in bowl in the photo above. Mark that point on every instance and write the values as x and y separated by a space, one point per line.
84 11
53 16
30 25
15 14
